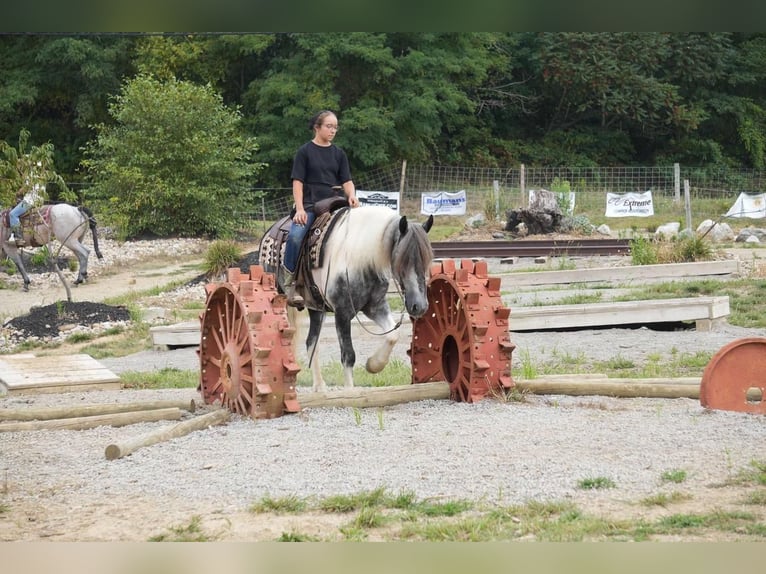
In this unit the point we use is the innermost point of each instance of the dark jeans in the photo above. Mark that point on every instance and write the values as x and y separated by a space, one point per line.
295 240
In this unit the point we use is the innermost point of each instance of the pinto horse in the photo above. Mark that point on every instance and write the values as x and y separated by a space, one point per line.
350 270
62 221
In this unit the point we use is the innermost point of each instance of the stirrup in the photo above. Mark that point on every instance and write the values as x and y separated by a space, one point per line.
294 299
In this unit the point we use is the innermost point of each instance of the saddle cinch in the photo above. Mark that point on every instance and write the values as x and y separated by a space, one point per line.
272 250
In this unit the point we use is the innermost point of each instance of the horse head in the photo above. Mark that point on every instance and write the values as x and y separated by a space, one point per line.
411 262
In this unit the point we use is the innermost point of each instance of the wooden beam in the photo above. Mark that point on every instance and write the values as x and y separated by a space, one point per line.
626 388
80 423
213 418
375 396
48 413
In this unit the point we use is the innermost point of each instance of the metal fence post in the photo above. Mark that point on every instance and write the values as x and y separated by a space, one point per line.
677 180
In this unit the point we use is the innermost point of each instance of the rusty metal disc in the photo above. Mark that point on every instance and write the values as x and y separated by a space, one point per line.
247 361
463 337
735 378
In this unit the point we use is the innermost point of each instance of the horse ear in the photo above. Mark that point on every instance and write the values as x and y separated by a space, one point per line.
428 223
403 225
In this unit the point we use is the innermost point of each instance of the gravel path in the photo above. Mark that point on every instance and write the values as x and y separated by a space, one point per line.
58 485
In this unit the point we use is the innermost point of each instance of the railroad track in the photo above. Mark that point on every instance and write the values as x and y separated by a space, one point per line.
530 248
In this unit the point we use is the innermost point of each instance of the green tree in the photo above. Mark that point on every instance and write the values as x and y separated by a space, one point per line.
175 161
25 167
399 96
58 86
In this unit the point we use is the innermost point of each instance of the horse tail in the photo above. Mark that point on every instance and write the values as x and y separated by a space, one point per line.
92 224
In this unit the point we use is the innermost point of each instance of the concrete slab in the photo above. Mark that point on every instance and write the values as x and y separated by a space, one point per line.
184 334
704 311
620 274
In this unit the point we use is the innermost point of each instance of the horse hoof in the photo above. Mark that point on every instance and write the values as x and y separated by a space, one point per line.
374 366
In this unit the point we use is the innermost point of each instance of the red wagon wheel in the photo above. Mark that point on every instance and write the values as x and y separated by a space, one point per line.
247 360
463 337
735 377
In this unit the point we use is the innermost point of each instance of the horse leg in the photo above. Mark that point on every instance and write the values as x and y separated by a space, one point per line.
383 319
347 354
82 253
13 254
316 318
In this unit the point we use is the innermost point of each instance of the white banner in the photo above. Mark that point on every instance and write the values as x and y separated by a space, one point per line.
629 204
752 206
443 203
387 198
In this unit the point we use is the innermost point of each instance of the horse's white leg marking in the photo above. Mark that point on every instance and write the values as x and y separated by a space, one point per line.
319 385
348 377
379 359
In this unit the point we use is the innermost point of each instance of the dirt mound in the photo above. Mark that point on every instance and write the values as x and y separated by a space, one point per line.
50 320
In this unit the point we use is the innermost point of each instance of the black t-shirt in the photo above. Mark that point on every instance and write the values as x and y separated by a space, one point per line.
320 169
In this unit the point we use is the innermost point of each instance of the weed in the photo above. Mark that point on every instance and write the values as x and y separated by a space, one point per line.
297 537
192 532
596 483
286 504
677 476
662 499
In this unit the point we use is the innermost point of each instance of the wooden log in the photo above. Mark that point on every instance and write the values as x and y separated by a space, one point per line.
625 388
48 413
118 450
80 423
554 385
375 396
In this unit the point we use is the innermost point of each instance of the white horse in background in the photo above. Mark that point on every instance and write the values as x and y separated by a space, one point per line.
62 221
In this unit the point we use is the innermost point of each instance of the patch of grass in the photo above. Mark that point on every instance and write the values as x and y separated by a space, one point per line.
403 517
618 363
221 255
449 508
284 505
297 537
192 532
676 475
580 298
348 503
396 373
80 338
757 498
755 473
167 378
717 520
528 369
664 500
747 296
595 483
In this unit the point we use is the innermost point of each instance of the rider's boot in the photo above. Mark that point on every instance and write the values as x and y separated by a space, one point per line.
17 237
288 282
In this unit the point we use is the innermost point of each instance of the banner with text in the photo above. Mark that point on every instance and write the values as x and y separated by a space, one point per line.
443 203
752 206
386 198
632 204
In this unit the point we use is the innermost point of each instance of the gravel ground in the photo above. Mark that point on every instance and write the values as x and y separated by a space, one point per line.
58 485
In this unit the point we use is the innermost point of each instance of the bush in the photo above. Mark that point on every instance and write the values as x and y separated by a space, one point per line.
220 256
174 162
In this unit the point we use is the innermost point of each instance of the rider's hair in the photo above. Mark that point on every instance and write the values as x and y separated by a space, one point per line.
317 120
